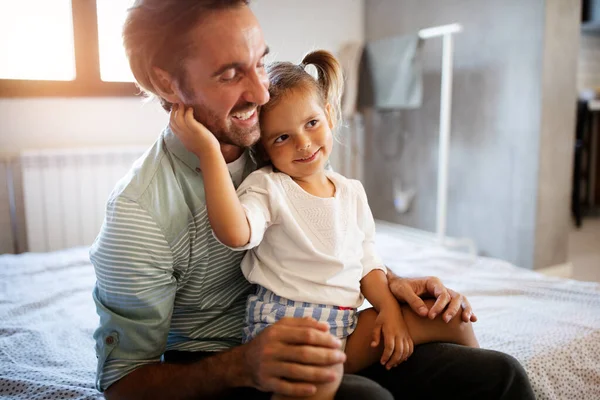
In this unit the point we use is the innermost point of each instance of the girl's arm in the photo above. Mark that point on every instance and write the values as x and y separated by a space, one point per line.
397 343
374 286
225 213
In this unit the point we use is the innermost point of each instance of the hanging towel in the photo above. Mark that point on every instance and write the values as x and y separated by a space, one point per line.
391 75
349 56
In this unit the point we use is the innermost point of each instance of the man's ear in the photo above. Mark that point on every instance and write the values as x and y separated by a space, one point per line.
165 85
329 115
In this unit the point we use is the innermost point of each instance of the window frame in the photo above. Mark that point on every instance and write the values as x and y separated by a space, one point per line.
87 82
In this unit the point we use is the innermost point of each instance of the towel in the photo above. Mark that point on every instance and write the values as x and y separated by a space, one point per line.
349 56
391 76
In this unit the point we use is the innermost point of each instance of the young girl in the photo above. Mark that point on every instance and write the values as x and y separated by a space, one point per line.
309 231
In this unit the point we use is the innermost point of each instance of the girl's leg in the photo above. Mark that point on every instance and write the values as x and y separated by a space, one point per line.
324 392
423 330
360 354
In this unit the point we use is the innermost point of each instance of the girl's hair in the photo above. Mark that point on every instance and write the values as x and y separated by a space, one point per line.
155 34
286 76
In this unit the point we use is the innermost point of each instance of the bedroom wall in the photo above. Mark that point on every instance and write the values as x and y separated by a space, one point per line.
502 103
291 28
588 67
557 133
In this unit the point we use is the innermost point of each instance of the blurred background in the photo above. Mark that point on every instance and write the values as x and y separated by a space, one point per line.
523 165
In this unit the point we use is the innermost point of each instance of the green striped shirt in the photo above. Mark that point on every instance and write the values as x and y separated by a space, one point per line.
163 280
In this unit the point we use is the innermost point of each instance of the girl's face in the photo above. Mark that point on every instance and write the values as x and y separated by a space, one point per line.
296 134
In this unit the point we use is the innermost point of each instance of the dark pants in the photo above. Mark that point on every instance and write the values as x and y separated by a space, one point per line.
436 370
442 370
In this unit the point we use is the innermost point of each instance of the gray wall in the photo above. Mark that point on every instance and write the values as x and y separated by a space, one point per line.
588 71
497 120
559 94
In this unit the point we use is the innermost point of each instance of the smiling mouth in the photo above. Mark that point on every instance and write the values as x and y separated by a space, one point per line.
309 158
244 116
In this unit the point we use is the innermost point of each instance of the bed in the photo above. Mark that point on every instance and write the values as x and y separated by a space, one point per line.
551 325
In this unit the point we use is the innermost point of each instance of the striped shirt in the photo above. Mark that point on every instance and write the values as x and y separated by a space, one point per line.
163 281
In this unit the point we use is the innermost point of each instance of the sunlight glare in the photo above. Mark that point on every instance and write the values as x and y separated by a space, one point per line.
113 61
36 40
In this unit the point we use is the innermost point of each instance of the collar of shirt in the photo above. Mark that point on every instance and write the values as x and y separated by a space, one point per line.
178 149
236 168
175 146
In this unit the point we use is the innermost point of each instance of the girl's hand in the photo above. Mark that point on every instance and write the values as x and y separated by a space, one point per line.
398 345
194 136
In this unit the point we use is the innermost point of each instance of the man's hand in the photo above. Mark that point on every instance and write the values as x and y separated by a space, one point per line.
194 136
410 290
292 356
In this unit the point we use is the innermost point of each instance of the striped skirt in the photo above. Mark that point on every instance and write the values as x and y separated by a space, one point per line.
265 308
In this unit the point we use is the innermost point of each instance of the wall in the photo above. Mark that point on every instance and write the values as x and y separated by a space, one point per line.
588 68
36 123
559 96
497 120
291 28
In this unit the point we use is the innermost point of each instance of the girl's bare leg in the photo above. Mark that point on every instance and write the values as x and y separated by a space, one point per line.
360 354
423 330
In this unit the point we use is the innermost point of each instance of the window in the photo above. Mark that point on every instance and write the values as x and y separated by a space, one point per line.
113 61
63 48
39 43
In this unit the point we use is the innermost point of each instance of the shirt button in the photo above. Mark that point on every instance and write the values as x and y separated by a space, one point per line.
198 170
109 340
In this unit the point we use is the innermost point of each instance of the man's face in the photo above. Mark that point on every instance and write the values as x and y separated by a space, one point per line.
225 80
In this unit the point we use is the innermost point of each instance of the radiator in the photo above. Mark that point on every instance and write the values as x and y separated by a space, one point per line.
7 241
65 193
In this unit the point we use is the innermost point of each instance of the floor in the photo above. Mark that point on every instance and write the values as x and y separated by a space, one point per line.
584 250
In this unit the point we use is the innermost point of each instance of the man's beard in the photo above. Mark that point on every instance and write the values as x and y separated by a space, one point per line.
226 131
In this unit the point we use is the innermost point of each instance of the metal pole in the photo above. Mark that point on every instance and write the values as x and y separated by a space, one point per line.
444 144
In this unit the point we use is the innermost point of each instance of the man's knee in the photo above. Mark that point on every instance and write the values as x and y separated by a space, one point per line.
479 373
361 388
509 377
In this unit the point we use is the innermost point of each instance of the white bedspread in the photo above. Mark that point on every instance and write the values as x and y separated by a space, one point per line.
551 325
48 317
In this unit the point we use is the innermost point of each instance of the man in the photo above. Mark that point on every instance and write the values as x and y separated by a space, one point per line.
171 299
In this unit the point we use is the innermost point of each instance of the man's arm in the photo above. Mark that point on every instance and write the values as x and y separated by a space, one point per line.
204 379
410 290
134 292
288 358
134 296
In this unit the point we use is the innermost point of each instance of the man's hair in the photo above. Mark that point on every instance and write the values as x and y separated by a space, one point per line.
155 34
